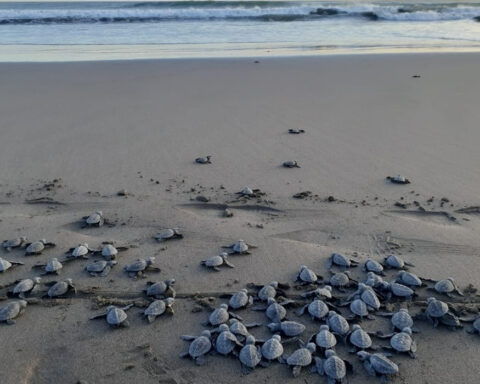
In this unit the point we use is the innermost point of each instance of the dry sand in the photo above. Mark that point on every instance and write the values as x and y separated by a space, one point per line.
101 127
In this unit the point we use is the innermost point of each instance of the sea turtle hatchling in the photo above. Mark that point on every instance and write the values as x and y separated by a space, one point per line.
288 328
324 292
169 234
296 131
367 295
272 349
333 367
5 265
339 260
302 357
226 342
115 316
203 160
161 289
139 267
409 279
378 364
53 266
307 276
375 281
342 280
291 164
317 309
250 355
9 312
337 324
359 339
158 308
399 179
81 251
447 287
199 347
436 309
96 219
221 315
359 309
240 329
398 290
100 267
248 192
240 299
269 290
400 320
8 245
109 252
37 247
276 312
374 266
215 262
475 326
26 286
60 288
240 248
396 262
324 338
403 342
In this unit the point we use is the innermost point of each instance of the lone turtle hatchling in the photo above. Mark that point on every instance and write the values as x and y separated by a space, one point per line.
161 289
341 261
288 328
37 247
295 131
399 179
250 355
158 308
100 268
8 245
60 288
12 310
203 160
215 262
240 248
272 349
139 267
307 276
5 265
291 164
396 262
374 266
169 234
26 286
333 367
240 299
226 342
446 287
402 342
302 357
115 316
378 364
96 219
199 347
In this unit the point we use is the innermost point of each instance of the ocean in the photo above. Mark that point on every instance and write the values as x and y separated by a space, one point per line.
64 31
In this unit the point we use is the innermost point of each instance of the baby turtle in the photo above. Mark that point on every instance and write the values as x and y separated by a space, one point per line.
109 252
12 310
359 339
26 286
291 164
272 349
360 309
339 260
306 276
333 367
403 342
240 248
37 247
215 262
324 338
374 280
116 317
373 266
81 251
8 245
317 309
204 160
377 364
275 312
5 265
250 355
337 324
367 295
158 308
408 278
447 287
61 288
220 315
400 320
399 179
475 326
169 234
96 219
161 289
269 291
240 299
199 347
398 290
320 293
240 329
295 131
436 309
248 192
301 358
396 262
140 266
100 267
53 266
226 341
342 280
288 328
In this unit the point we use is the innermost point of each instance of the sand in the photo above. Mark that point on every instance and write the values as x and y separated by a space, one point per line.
100 127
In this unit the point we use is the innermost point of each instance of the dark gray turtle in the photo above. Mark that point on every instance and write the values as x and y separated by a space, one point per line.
240 299
396 262
61 288
306 276
360 309
358 338
199 347
226 342
288 328
240 248
447 287
204 160
317 309
451 321
5 265
221 315
374 266
320 293
272 349
367 295
295 131
377 364
475 326
100 267
399 179
37 247
402 342
8 245
337 324
139 267
436 309
25 287
339 260
158 308
115 316
96 219
240 329
169 234
333 367
301 358
161 289
408 278
342 280
215 262
250 355
9 312
324 338
291 164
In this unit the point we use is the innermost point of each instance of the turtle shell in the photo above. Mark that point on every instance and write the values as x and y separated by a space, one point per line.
156 308
360 338
109 251
402 319
214 261
12 310
410 279
476 324
97 266
272 349
266 292
436 308
238 328
373 266
219 315
137 266
358 307
383 365
318 309
247 191
337 323
301 357
53 265
79 251
289 328
334 367
240 247
23 286
35 247
339 279
94 219
116 316
325 338
4 265
58 289
276 312
340 260
158 288
13 243
239 300
394 262
307 275
200 346
225 342
370 298
401 342
401 290
250 356
166 234
445 286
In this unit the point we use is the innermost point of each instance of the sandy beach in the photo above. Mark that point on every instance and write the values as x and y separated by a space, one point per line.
74 134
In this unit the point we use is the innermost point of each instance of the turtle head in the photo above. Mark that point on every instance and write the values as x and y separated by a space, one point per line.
328 288
150 260
169 301
112 262
274 284
23 238
371 275
403 310
431 300
54 259
170 282
407 330
223 328
362 355
44 241
311 347
69 281
356 327
271 301
224 306
233 321
277 337
451 279
244 290
250 340
206 333
99 213
22 303
110 308
329 353
324 327
302 267
37 280
331 313
348 274
224 255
